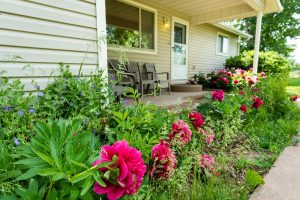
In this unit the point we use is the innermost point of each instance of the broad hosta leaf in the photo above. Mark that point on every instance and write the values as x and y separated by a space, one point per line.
253 179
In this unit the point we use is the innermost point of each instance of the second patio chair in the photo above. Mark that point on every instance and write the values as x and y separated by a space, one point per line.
133 67
152 74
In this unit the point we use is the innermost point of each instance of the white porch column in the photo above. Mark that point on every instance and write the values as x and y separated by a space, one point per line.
257 42
101 36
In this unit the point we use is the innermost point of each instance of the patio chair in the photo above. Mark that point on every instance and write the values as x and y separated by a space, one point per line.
128 79
133 67
152 75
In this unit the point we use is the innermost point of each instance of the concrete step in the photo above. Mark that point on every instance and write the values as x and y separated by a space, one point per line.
186 88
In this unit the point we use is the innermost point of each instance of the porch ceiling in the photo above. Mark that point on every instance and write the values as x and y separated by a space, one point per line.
212 11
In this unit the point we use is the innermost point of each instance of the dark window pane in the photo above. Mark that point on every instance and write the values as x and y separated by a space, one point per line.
122 24
179 33
147 28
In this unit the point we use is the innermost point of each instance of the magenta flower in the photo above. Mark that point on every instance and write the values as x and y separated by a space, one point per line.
197 119
218 95
181 133
236 82
257 102
164 161
131 170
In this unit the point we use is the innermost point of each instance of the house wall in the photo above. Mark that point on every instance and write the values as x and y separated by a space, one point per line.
202 46
43 33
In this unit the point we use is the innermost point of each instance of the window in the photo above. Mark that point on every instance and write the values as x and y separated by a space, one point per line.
130 26
222 44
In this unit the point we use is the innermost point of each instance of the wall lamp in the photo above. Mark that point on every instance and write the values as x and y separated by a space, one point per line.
167 22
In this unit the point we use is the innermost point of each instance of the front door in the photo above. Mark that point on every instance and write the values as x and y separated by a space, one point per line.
179 49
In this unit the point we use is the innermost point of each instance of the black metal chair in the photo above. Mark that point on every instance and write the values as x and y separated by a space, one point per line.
152 75
134 68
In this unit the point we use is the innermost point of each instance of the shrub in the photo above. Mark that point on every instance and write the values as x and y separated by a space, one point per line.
269 62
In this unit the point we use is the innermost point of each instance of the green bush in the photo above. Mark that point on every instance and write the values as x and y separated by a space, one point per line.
269 62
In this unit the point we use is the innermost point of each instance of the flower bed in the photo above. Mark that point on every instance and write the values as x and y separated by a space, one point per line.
50 142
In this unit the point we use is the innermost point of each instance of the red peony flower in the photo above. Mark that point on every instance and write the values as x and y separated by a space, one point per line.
242 93
214 82
251 82
131 170
244 108
257 102
218 95
197 119
224 80
263 74
207 162
181 133
236 82
294 98
164 161
243 77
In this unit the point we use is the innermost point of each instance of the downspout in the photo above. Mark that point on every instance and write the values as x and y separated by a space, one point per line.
257 42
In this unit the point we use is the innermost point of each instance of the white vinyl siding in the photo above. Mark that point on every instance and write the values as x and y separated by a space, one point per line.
43 33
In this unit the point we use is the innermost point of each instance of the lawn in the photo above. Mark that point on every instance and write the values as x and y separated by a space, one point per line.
294 83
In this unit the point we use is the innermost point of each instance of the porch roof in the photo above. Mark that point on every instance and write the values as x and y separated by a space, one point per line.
214 11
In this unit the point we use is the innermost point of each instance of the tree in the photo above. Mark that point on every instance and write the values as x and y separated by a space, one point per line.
276 29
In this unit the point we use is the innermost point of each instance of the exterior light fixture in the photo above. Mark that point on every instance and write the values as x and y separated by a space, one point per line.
167 22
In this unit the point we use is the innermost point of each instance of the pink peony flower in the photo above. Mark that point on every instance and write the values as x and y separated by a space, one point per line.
210 138
294 98
244 108
207 162
257 102
218 95
263 74
197 119
236 82
164 161
181 133
202 131
131 170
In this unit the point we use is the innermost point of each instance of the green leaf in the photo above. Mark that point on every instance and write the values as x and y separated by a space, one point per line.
47 172
74 194
87 185
77 163
31 161
44 157
253 179
98 179
55 154
58 176
30 173
33 186
43 130
80 176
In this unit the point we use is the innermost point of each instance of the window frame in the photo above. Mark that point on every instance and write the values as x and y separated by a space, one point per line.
217 44
138 50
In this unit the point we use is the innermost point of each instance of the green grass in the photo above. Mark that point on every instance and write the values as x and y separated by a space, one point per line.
294 85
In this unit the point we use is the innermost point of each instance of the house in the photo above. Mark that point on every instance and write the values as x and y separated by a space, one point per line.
181 37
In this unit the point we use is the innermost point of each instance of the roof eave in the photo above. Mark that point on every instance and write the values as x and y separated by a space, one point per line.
235 31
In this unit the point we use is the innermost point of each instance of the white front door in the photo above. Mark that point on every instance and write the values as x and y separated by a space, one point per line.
179 49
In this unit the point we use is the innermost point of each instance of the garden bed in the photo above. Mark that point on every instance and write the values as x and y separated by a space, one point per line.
50 142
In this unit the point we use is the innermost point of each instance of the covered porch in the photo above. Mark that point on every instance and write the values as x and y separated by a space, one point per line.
196 14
